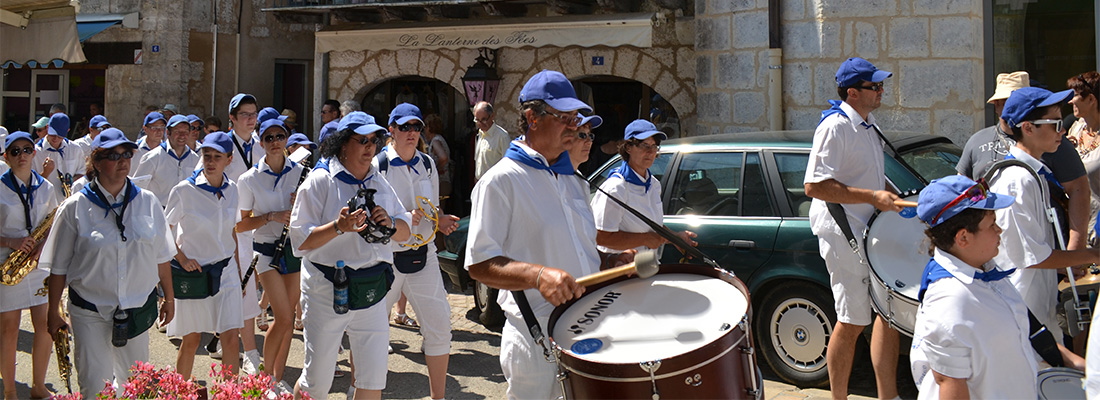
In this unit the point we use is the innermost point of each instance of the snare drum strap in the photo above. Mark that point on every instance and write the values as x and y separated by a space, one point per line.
1043 341
532 322
841 218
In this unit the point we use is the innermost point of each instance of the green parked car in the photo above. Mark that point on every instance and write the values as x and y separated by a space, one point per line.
743 195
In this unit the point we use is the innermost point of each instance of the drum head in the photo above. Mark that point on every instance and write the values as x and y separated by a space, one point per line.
898 250
1061 383
649 319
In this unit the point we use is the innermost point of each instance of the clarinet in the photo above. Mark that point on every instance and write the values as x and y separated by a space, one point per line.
280 245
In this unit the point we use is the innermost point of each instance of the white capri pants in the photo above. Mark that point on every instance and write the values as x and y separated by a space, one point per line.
368 330
529 375
424 290
95 358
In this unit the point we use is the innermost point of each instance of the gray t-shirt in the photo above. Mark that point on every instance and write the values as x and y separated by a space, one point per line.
990 145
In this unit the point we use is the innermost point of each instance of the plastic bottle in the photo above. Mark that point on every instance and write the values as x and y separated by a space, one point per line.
340 289
121 328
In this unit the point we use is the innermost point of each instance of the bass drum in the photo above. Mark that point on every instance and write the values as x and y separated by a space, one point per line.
683 333
1062 384
897 252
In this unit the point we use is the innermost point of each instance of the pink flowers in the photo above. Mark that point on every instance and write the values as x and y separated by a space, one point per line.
147 382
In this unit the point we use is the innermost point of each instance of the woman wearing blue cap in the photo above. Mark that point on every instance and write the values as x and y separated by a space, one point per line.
110 245
26 198
267 193
202 213
579 141
972 331
633 184
327 234
153 127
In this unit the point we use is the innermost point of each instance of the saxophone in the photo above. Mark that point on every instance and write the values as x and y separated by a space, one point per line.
20 263
64 364
66 181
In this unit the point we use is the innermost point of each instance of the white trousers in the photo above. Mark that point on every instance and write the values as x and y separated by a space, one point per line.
95 358
424 290
528 373
368 330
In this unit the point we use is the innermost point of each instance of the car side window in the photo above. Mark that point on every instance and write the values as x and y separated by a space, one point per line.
659 169
755 196
707 184
792 171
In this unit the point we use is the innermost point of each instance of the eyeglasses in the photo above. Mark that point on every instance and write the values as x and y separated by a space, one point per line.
115 156
586 136
246 115
274 138
648 147
410 127
1056 122
567 119
976 193
368 139
154 129
480 120
14 152
875 87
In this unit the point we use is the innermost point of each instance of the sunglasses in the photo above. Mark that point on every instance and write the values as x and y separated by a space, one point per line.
648 147
274 138
586 136
567 119
14 152
410 127
874 87
370 139
1056 122
115 156
975 193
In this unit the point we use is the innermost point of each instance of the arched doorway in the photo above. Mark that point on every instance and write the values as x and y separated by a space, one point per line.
433 97
619 101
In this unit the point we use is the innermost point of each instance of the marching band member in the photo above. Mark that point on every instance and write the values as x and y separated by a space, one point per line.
197 125
298 140
110 245
202 213
578 142
413 174
634 185
322 230
95 125
267 192
56 155
153 127
25 200
168 164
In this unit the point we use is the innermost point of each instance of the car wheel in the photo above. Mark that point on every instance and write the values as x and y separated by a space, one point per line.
485 298
793 327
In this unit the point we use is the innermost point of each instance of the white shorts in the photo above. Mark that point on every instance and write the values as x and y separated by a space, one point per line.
424 290
24 294
850 281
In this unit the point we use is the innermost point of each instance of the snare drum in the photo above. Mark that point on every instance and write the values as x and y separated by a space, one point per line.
897 251
1061 383
683 333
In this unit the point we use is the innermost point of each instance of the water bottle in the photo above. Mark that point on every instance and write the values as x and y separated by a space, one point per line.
121 328
340 289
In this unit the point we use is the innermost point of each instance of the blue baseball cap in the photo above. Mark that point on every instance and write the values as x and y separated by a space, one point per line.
97 121
300 138
360 122
219 141
553 88
58 125
154 117
1023 101
273 123
594 120
936 198
404 113
641 129
15 136
195 118
856 69
178 119
236 100
110 138
268 113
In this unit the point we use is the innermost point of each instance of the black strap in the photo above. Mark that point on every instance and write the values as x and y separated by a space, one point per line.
1043 342
26 203
529 318
384 162
837 212
125 203
247 161
897 156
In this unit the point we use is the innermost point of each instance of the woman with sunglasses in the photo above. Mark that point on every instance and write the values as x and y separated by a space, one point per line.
26 198
578 142
1028 243
327 234
267 193
632 183
110 245
1085 134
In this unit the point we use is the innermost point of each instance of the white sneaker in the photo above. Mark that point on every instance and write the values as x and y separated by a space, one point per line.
284 388
351 392
391 348
250 363
217 355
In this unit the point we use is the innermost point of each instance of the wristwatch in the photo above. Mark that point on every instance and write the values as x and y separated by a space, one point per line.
336 226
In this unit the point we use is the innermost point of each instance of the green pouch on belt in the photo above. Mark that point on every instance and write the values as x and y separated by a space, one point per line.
365 291
293 264
198 284
142 318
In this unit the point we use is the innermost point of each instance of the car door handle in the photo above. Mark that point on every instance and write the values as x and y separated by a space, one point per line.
742 244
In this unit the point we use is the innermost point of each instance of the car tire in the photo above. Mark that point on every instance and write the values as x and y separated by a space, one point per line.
793 327
485 298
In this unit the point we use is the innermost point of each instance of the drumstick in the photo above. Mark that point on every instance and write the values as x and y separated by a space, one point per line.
905 203
645 265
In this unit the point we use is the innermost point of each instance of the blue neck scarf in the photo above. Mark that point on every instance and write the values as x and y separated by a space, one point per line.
36 181
632 177
933 271
287 166
834 108
562 167
172 153
59 150
217 191
344 176
129 193
398 162
1043 172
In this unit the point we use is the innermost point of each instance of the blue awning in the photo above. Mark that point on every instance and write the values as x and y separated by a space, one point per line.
88 25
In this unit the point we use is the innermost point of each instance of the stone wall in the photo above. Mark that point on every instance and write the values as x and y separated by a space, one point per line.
933 47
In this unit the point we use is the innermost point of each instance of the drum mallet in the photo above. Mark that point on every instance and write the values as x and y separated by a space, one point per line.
905 203
644 265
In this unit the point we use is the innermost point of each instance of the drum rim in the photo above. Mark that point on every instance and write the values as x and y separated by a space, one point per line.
867 255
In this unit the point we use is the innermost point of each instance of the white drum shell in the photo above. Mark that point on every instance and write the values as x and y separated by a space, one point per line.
1061 383
897 252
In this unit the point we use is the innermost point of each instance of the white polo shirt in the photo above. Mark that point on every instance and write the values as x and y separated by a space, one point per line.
245 155
1027 239
13 225
263 190
848 150
165 169
409 182
611 217
85 245
489 149
142 149
534 216
202 223
68 159
319 201
974 330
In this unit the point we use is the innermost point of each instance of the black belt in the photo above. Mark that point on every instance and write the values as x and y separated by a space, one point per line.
376 269
215 267
267 249
87 305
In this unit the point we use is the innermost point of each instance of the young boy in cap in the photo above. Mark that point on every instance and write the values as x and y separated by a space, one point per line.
243 117
154 127
1034 117
169 164
972 327
56 158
